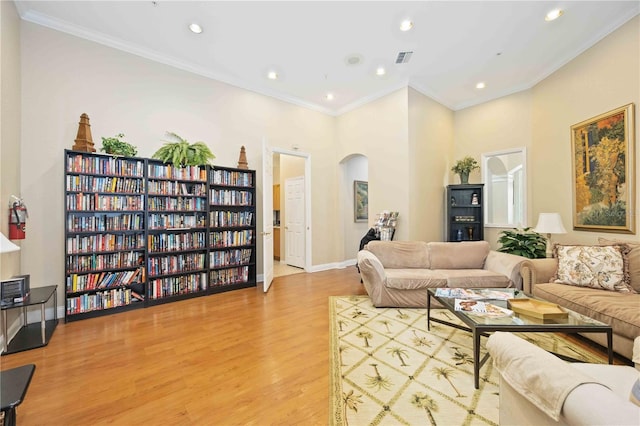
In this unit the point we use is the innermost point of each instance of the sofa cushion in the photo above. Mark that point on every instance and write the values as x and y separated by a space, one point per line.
473 278
633 260
412 279
462 255
401 254
620 310
601 267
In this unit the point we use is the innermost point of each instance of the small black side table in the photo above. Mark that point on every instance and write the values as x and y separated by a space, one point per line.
34 335
13 387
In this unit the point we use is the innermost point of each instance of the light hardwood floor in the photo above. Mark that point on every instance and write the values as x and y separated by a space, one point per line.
241 357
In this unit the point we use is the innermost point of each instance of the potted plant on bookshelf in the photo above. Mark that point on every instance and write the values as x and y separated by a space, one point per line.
179 152
464 167
116 146
523 242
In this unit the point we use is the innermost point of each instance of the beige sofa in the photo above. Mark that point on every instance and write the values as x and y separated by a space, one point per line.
537 388
620 310
398 273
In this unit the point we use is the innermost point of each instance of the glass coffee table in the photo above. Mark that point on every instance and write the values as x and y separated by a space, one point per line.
480 325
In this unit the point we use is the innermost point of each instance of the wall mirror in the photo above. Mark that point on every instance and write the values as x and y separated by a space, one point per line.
505 181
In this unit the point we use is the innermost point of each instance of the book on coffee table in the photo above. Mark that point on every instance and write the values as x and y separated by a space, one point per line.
478 307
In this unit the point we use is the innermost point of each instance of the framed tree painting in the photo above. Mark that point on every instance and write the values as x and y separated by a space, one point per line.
361 200
604 172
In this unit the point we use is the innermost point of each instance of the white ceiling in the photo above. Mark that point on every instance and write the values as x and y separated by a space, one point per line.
455 44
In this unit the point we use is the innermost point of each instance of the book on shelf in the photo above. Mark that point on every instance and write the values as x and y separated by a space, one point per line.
478 307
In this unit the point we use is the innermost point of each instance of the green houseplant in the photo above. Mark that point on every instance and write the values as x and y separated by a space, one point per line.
464 167
116 146
179 152
523 242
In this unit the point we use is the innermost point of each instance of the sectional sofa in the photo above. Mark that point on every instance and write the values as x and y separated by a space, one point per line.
398 273
620 309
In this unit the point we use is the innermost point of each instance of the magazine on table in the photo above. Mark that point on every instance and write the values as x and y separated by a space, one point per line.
478 307
477 293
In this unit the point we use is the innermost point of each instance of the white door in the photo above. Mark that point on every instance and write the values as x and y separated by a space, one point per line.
267 214
294 230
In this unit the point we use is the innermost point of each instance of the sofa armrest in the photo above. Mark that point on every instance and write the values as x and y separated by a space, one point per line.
535 271
371 271
507 264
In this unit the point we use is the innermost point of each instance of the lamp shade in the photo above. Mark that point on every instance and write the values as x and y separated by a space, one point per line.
7 246
550 223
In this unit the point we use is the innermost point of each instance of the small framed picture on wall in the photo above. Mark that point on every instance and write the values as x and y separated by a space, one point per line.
360 201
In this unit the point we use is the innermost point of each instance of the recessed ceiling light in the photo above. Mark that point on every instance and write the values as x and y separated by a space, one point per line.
195 28
406 25
272 75
329 96
481 85
380 71
554 14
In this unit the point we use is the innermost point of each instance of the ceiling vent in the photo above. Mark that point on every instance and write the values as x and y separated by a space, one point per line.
403 57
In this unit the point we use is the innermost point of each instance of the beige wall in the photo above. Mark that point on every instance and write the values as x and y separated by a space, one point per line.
494 126
603 78
64 76
10 109
431 144
379 131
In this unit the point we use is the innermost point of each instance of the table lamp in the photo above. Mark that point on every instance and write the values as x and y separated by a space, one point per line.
549 223
7 246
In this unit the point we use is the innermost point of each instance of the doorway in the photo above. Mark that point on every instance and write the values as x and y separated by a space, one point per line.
292 245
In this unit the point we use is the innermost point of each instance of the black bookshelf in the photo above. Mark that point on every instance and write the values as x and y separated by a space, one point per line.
139 232
465 212
232 229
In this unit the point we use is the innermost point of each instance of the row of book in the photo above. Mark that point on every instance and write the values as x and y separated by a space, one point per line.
227 218
230 197
81 201
86 263
88 183
177 204
167 171
81 163
177 263
229 276
104 242
231 238
167 187
105 222
231 178
173 286
98 301
164 221
159 243
229 257
87 282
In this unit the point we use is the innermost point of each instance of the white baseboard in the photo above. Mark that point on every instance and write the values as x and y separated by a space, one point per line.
324 267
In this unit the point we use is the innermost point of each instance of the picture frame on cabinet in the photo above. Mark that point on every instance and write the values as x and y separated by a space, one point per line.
360 201
603 159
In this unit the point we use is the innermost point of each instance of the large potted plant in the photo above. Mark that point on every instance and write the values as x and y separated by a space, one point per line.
179 152
523 242
116 146
464 167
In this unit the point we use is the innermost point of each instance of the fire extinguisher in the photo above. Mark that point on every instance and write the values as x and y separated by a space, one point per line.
17 219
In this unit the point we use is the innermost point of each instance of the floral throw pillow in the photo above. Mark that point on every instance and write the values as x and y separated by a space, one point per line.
601 267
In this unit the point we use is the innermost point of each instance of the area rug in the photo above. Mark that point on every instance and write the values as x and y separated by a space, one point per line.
387 369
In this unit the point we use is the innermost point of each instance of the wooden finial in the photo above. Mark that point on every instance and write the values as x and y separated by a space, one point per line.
242 161
84 141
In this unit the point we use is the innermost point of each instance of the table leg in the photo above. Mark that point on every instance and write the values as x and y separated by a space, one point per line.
476 358
428 311
610 345
43 324
5 330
